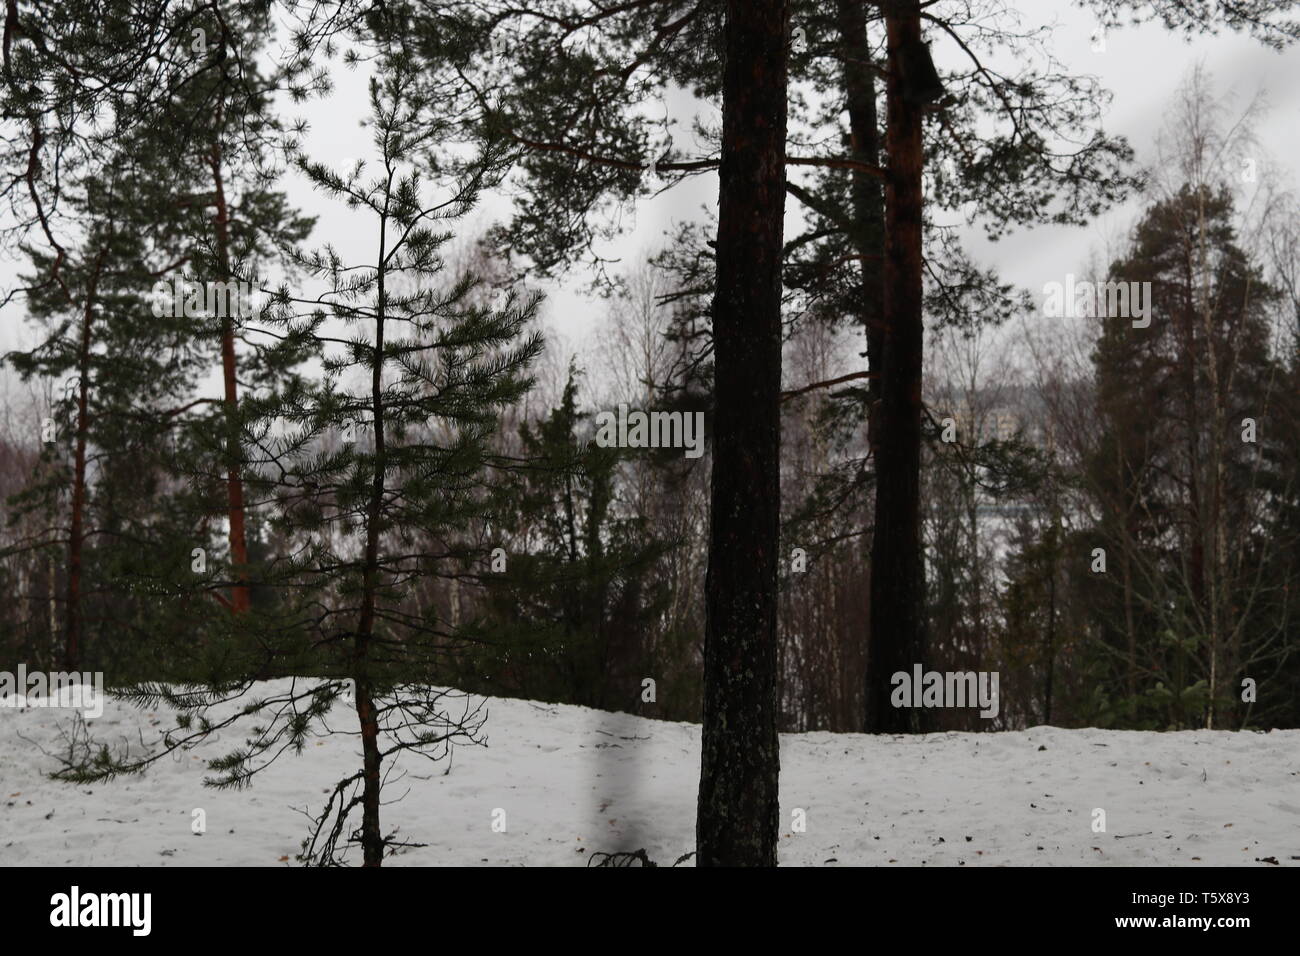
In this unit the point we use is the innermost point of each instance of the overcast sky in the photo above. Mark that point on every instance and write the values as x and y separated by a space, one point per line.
1141 66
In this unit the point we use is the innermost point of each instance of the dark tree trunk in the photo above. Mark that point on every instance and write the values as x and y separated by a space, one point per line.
739 811
868 202
239 596
76 530
1051 616
897 572
372 841
867 223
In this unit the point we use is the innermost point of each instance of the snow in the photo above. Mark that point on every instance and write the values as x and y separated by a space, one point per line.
573 781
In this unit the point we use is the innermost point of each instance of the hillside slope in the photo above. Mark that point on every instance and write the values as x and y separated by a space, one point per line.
573 781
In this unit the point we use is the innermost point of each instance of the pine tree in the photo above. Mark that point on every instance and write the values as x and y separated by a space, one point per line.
737 820
228 136
138 92
118 370
366 471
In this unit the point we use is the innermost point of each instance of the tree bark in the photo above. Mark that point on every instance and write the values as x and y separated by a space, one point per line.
897 571
76 532
868 203
738 813
239 595
868 208
372 841
1054 554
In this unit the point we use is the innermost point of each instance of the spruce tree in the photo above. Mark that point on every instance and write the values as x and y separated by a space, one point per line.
1176 476
569 610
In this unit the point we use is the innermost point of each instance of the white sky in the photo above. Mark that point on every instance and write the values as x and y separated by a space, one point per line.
1141 66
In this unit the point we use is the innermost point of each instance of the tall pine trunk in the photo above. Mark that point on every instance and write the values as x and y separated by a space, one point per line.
738 813
76 532
867 202
372 841
897 572
239 596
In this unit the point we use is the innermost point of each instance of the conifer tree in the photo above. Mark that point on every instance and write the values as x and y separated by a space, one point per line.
568 614
118 370
229 140
1175 471
389 450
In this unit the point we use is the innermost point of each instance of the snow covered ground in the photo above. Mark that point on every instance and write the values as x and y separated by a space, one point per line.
573 781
